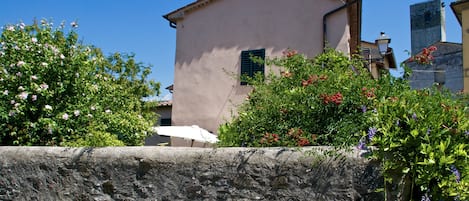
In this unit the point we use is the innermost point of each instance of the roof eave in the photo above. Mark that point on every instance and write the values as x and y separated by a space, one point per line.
457 8
178 14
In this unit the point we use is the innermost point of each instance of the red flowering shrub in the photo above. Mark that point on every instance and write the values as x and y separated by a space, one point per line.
311 102
424 57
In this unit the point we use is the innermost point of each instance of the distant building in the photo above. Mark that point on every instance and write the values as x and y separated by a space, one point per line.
374 62
427 21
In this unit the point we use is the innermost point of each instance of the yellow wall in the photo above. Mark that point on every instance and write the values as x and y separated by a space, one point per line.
465 43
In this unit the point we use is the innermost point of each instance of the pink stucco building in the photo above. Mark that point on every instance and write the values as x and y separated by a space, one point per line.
214 37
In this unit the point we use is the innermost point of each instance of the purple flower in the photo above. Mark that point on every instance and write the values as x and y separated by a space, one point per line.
414 116
467 133
361 145
456 173
371 133
425 198
363 108
428 131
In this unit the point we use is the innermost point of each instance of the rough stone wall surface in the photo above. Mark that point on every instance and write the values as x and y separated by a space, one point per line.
176 173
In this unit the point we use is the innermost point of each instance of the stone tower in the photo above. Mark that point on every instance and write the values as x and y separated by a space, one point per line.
427 22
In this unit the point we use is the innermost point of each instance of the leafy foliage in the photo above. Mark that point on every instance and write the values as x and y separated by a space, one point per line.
311 102
423 134
57 91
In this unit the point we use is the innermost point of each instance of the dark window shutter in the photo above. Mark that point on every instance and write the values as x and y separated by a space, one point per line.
248 67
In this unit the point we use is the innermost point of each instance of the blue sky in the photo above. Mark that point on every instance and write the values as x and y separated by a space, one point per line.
138 26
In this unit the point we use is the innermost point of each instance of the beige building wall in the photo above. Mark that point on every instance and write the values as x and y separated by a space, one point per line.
461 10
210 40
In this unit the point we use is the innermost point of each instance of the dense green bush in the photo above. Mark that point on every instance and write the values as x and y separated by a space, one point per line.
57 91
424 135
311 102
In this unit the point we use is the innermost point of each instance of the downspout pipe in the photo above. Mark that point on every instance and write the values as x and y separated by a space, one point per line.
324 21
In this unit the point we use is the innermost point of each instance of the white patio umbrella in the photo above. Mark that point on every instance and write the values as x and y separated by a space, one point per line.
188 132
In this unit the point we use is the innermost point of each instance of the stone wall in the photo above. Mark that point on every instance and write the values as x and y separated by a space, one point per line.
176 173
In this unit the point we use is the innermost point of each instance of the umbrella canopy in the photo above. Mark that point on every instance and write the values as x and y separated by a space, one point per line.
188 132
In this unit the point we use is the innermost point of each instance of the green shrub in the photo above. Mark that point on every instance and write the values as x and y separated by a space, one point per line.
310 102
424 135
54 90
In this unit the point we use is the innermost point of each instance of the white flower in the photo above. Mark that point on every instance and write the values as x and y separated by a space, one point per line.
10 28
12 102
65 116
62 56
44 86
108 111
21 88
48 107
76 113
74 24
22 25
34 97
23 95
20 63
17 105
90 115
93 108
11 113
44 64
34 40
5 92
33 77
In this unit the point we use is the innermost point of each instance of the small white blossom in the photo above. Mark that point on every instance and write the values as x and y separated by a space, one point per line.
22 25
108 111
19 74
34 40
74 24
17 105
20 63
44 64
12 102
76 113
48 107
23 95
93 108
44 86
34 97
65 116
5 92
10 28
21 88
62 56
90 115
11 113
33 77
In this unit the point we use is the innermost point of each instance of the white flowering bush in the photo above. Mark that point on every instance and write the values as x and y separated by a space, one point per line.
54 90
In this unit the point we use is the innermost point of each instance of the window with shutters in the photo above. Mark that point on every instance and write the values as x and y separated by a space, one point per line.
249 68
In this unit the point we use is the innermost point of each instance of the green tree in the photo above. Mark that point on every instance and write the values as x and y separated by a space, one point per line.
57 91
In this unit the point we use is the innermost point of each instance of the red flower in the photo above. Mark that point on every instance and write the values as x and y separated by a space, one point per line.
290 53
303 142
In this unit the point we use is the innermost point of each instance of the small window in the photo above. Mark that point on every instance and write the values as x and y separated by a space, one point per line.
165 122
248 67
